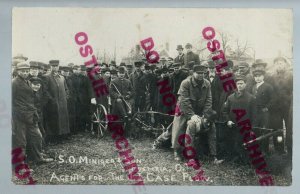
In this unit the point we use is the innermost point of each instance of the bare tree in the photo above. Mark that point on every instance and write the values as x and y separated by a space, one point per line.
225 41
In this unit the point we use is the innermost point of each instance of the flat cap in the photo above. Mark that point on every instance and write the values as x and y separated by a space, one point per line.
199 68
188 45
36 64
243 64
240 77
54 62
23 65
259 62
35 80
138 63
21 57
121 69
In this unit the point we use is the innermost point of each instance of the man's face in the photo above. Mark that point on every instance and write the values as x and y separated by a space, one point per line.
129 69
113 76
35 86
34 72
76 71
164 74
148 71
121 75
55 68
243 69
281 65
176 70
107 74
258 78
180 51
240 84
199 75
23 73
138 69
189 49
64 73
82 72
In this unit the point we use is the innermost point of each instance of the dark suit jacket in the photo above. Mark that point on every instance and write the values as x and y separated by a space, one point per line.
263 95
188 57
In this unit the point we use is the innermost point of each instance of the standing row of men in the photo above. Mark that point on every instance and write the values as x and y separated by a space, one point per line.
56 99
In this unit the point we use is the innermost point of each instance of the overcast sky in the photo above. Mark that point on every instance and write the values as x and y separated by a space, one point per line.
48 33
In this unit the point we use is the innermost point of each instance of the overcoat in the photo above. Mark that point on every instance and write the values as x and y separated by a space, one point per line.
193 99
56 113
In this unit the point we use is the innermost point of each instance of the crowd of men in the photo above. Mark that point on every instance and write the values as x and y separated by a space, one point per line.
50 101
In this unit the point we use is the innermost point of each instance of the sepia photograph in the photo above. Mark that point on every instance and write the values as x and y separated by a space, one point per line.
152 96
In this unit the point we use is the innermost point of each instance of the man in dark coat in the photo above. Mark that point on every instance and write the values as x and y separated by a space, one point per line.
69 77
138 80
241 99
194 100
121 93
150 87
263 93
180 57
281 108
244 70
190 55
129 70
43 94
176 78
56 114
25 131
259 64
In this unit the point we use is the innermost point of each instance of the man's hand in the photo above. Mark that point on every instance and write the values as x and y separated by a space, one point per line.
196 118
127 97
230 123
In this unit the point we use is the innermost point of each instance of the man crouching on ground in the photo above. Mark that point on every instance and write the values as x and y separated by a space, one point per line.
194 101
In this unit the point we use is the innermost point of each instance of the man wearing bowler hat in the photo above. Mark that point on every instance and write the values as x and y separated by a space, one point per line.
180 57
259 64
263 93
190 55
194 101
56 114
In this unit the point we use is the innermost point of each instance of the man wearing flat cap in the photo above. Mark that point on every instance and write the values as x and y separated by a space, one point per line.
129 70
180 57
241 99
121 92
25 131
56 111
190 56
244 70
138 81
194 101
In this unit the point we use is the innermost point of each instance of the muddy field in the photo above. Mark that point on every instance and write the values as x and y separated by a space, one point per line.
84 159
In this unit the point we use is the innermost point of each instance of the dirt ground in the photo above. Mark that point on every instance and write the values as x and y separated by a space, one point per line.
157 167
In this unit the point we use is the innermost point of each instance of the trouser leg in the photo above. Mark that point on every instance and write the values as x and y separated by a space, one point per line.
19 140
34 137
212 140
